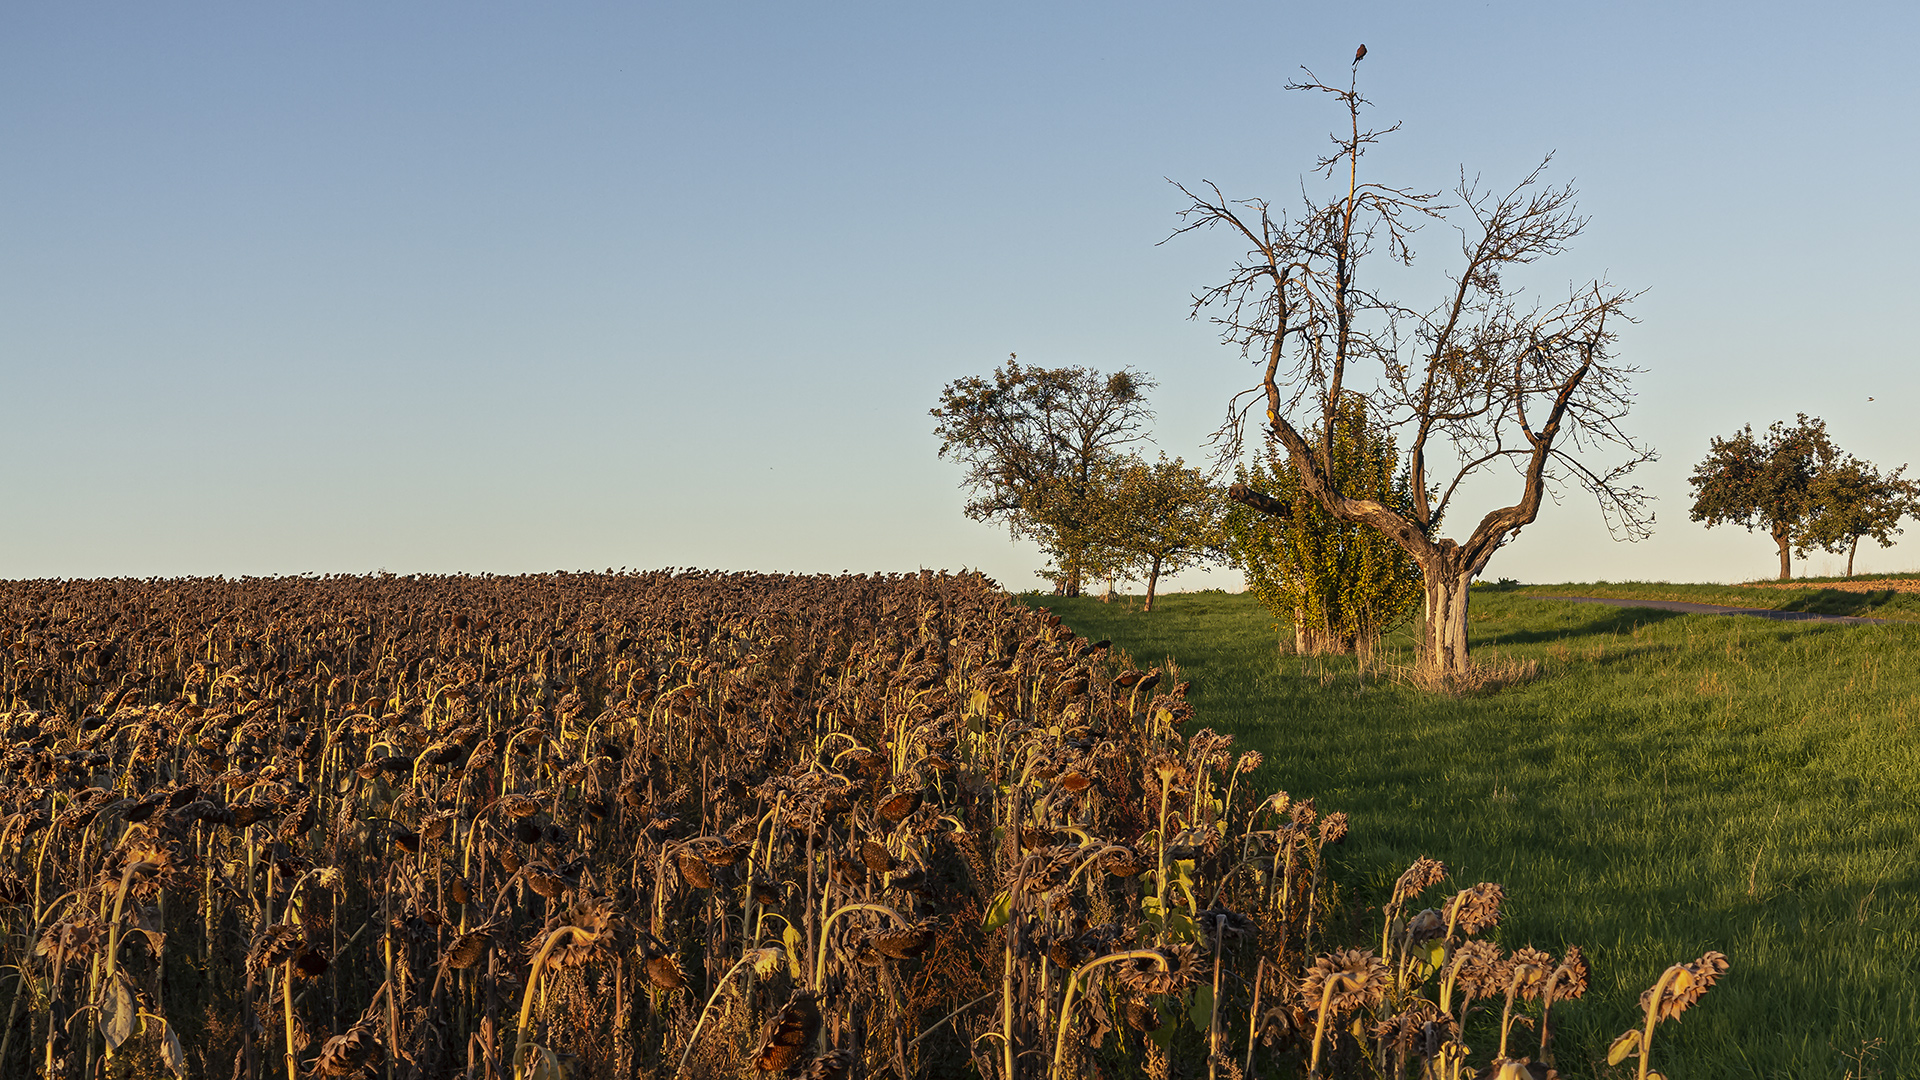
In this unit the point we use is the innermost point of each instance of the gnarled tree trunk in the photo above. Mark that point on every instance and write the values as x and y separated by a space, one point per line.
1443 636
1784 541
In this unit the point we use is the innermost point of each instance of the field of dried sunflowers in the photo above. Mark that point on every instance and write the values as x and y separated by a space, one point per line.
683 824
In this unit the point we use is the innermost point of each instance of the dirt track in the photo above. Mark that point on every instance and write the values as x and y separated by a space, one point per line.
1904 585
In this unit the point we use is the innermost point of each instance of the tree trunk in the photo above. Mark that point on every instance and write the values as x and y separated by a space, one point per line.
1443 642
1153 579
1781 539
1851 549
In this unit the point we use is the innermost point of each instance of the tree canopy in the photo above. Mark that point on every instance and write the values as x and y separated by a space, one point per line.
1034 442
1795 484
1158 518
1853 499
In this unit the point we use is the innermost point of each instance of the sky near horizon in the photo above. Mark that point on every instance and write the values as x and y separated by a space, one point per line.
478 287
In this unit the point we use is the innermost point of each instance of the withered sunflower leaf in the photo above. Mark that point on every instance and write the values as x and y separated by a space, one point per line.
117 1011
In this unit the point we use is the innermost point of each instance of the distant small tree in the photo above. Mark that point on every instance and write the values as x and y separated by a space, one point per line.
1764 483
1341 584
1159 518
1849 499
1034 441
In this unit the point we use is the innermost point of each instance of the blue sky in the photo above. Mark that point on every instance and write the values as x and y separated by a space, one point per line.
345 286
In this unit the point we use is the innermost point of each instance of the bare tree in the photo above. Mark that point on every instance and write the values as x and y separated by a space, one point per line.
1485 378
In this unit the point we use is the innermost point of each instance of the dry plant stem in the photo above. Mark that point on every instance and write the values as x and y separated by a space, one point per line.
1253 1015
1506 1013
1006 998
1446 986
1160 880
119 905
820 964
1652 1018
524 1038
943 1021
694 1039
286 997
1213 1007
13 1016
1073 983
1334 981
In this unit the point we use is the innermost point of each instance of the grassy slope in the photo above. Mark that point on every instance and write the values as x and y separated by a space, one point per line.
1671 784
1885 604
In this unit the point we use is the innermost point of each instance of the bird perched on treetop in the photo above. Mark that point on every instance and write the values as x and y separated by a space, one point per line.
1359 54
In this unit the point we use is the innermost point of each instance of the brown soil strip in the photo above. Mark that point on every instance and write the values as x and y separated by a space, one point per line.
1904 585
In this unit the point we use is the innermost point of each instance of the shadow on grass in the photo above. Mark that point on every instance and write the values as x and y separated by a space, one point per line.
1617 621
1841 602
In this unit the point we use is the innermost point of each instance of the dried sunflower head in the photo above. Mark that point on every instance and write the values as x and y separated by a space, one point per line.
467 949
1179 965
901 804
905 942
1684 985
787 1033
664 973
70 939
277 945
1167 770
346 1055
876 856
1527 971
1569 980
1476 965
1346 980
518 806
1424 927
1422 875
1478 908
832 1065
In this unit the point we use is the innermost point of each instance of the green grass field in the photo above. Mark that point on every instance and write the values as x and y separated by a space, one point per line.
1669 784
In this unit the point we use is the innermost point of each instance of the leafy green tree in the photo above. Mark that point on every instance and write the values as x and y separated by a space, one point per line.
1157 519
1850 499
1764 483
1034 441
1340 583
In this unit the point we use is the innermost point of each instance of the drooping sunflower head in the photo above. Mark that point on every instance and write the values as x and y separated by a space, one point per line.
1570 978
1685 986
1333 827
1479 907
1422 875
1177 967
1349 979
1476 967
1528 971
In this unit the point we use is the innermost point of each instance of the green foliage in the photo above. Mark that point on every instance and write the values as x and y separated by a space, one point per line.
1672 783
1035 442
1762 483
1851 499
1802 489
1155 519
1340 584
